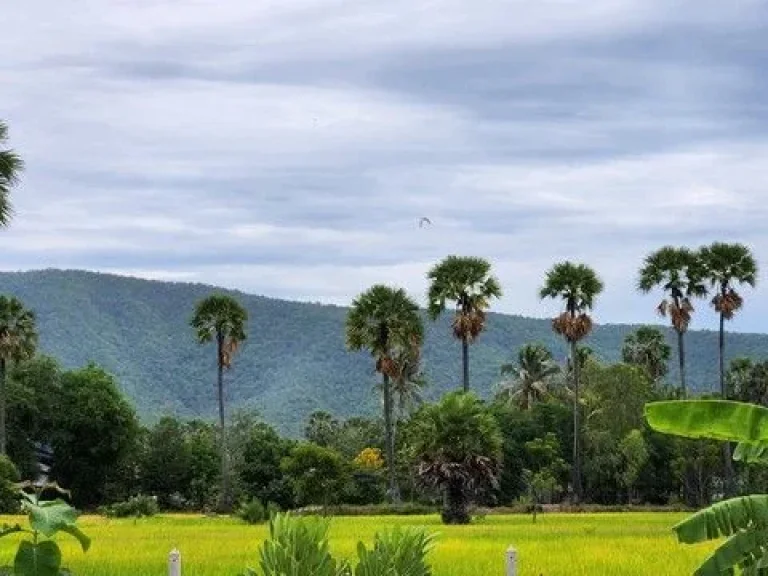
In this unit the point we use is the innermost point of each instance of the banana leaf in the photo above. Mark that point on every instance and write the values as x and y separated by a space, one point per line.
715 419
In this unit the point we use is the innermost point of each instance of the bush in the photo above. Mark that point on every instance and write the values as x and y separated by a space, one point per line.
137 506
400 552
252 512
9 494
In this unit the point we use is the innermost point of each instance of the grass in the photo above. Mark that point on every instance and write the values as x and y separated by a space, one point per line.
621 544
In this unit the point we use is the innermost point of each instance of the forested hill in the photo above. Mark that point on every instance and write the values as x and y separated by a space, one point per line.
294 361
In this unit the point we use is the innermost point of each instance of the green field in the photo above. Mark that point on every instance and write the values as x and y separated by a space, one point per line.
632 544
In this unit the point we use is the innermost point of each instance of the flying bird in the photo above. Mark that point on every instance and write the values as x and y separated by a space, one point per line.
424 220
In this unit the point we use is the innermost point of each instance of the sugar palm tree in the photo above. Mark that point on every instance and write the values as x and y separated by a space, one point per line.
680 275
727 266
530 376
646 347
468 283
221 319
11 166
577 285
458 444
387 323
18 341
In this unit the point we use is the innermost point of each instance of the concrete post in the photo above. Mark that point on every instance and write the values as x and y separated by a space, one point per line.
174 563
511 562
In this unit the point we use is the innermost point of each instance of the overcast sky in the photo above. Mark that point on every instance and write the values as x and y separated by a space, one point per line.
289 147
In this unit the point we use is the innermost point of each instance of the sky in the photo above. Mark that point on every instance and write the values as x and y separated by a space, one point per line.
289 148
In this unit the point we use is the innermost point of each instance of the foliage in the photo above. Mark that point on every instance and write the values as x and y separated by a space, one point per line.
634 455
369 459
11 166
726 265
252 512
40 555
319 475
458 446
531 377
647 347
139 506
9 493
399 552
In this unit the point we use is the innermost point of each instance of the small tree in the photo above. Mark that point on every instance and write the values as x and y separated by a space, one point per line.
458 446
634 455
319 475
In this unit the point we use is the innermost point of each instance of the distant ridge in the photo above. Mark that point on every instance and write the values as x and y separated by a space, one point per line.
294 361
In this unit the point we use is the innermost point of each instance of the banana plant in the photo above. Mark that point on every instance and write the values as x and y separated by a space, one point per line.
40 555
743 521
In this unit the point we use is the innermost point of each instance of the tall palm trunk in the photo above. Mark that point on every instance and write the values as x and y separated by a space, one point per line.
389 440
3 433
681 359
224 497
465 361
727 459
575 369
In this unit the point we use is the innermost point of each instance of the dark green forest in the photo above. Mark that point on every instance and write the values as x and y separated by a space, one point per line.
294 361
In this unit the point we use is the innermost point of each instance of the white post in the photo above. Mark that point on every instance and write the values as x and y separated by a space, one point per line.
511 562
174 563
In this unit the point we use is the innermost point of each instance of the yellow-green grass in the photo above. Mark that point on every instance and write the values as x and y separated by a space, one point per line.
631 544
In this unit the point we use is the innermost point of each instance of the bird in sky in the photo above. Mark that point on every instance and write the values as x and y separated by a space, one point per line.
424 220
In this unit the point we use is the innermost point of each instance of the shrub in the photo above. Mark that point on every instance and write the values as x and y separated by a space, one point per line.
137 506
252 512
400 552
9 493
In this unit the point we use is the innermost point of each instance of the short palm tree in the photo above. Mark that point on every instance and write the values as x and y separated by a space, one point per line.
408 381
387 323
221 319
11 166
725 266
458 444
647 347
530 377
468 283
577 285
18 341
680 275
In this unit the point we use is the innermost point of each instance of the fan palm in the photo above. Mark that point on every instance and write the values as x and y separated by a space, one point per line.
468 283
221 319
18 341
680 275
530 377
577 285
647 348
408 381
458 444
727 265
11 166
387 323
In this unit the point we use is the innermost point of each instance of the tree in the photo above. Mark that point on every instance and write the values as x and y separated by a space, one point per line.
747 381
322 429
318 475
222 319
459 447
727 265
634 455
409 381
467 282
530 377
94 429
11 167
386 322
646 347
680 275
165 464
576 285
18 341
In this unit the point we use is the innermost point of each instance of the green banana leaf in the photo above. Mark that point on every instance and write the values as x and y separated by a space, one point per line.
716 419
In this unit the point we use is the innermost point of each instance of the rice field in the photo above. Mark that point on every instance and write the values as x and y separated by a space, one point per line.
630 544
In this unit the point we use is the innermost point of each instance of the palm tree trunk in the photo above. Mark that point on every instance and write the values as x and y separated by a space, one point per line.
465 362
681 358
727 459
389 432
3 433
575 368
224 497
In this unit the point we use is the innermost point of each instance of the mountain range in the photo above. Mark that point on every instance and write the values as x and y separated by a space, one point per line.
294 361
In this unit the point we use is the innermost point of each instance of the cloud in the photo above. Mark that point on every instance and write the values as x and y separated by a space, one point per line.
291 148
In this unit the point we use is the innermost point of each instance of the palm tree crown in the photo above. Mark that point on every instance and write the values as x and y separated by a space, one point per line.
18 332
724 266
222 318
11 166
680 275
531 375
647 347
576 285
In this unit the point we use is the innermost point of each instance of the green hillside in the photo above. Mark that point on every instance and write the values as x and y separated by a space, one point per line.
294 361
